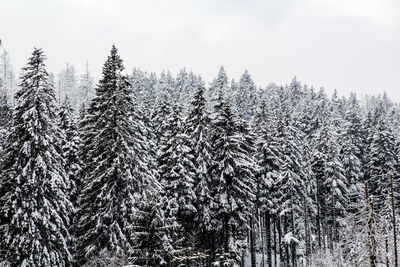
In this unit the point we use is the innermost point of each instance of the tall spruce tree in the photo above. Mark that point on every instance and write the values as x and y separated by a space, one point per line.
115 173
233 180
197 128
246 96
177 171
70 146
34 204
219 83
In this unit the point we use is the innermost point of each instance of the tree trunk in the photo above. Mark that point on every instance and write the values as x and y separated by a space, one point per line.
387 252
371 231
268 238
394 222
275 246
319 223
307 233
293 244
252 245
280 241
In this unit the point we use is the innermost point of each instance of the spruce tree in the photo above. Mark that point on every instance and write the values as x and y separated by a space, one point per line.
70 146
197 128
219 83
116 174
233 180
177 170
33 199
247 96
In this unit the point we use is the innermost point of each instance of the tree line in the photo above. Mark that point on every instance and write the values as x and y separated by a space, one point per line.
161 170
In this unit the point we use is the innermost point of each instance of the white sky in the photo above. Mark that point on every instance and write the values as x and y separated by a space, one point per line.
350 45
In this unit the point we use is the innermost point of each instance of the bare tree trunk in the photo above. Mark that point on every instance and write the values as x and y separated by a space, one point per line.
280 241
275 246
393 221
307 233
262 231
319 223
293 244
268 238
252 246
371 231
387 252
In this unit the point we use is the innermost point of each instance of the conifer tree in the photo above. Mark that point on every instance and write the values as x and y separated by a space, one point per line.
70 146
197 128
116 175
33 198
233 180
290 186
246 96
219 83
269 159
5 118
85 87
382 160
160 113
153 230
177 170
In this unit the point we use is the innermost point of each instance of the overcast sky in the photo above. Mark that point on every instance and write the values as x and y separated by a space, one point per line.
350 45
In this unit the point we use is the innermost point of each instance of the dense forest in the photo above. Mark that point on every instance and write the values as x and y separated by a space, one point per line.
146 169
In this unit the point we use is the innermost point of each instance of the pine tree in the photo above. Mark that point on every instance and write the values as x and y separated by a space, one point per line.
33 199
115 173
153 228
247 96
177 171
219 83
233 180
67 84
290 186
8 83
353 142
85 87
165 86
70 146
160 113
382 160
5 118
269 159
144 86
197 128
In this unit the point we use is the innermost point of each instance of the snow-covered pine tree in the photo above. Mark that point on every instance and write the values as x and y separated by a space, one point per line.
353 141
85 87
116 174
197 128
233 180
5 118
153 230
177 171
67 84
335 183
331 183
165 85
33 200
269 158
381 161
8 82
144 86
70 146
160 113
219 83
290 186
246 96
352 150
